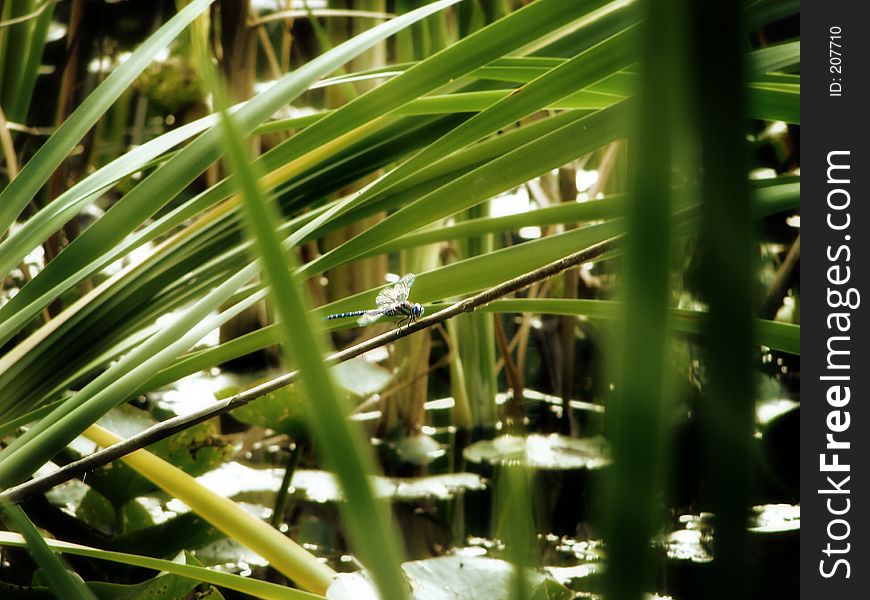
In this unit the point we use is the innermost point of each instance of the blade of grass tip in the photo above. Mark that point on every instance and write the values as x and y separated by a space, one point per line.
64 583
370 528
636 412
727 248
231 581
39 168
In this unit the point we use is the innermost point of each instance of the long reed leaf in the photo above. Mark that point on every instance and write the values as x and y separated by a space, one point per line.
342 445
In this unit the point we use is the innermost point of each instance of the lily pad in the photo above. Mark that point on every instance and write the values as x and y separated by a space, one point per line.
769 518
440 487
417 449
183 531
284 409
689 544
321 486
361 377
230 556
453 578
235 479
693 542
545 452
163 587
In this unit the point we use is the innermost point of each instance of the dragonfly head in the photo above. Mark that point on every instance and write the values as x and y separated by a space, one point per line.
417 310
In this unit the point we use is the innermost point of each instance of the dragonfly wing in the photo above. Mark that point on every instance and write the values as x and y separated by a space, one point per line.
396 294
386 297
369 317
403 288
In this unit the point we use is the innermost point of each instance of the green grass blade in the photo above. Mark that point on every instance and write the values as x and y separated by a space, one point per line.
22 91
775 58
231 581
64 583
779 336
762 12
638 408
727 248
340 441
773 334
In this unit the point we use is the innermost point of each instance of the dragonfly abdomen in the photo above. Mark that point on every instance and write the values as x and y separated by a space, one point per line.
353 313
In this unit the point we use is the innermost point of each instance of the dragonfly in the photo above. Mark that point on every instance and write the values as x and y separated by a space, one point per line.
391 302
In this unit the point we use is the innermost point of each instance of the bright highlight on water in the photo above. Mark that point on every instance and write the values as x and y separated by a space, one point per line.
391 302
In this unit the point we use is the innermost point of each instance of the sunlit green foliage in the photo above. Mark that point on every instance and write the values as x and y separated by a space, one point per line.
387 137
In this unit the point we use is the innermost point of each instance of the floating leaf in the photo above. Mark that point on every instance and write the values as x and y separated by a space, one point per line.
418 449
450 578
775 517
284 409
234 479
547 452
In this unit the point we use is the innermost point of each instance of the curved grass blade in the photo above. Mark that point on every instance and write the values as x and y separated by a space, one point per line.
285 555
777 335
341 442
231 581
63 582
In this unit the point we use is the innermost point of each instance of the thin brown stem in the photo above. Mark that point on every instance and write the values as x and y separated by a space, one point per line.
174 425
8 148
514 412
